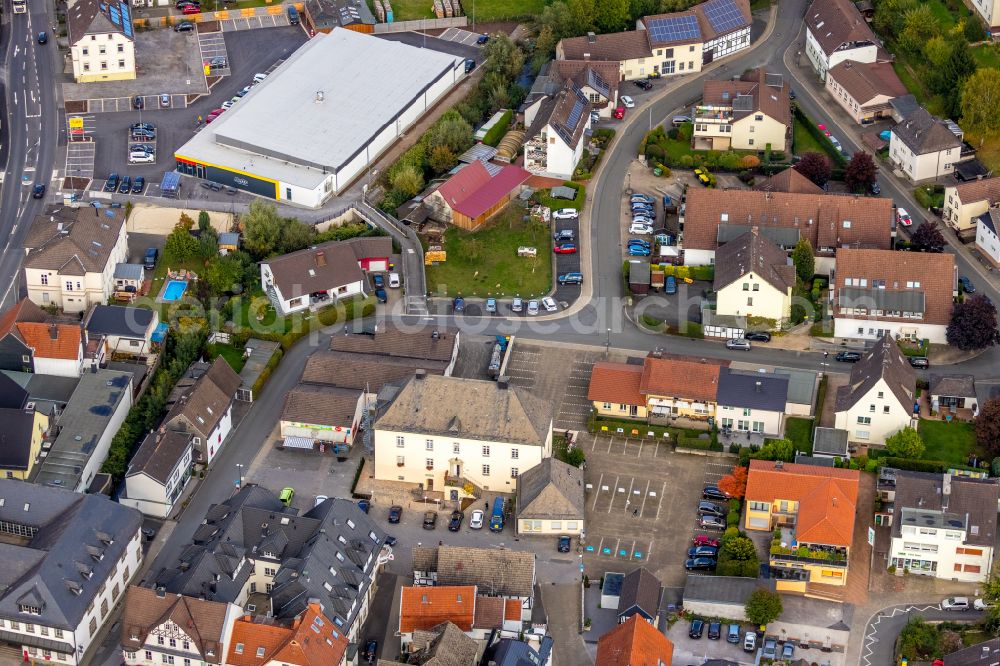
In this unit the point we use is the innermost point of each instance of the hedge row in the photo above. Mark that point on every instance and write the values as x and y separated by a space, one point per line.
495 133
835 155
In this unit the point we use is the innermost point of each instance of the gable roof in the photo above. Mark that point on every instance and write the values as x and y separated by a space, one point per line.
827 498
615 46
444 645
204 622
933 272
753 252
98 17
58 341
924 134
551 490
864 81
985 189
159 454
757 85
834 23
74 245
326 265
949 501
680 378
827 220
987 652
754 390
963 386
635 642
570 115
601 75
426 607
707 13
310 640
473 191
616 383
16 435
321 405
788 180
119 320
494 572
389 339
640 591
23 311
883 361
204 405
468 408
363 371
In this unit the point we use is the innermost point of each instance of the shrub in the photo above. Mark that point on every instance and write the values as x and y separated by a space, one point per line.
687 161
655 152
495 133
674 133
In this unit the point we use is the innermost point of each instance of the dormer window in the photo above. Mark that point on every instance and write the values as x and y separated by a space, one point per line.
30 610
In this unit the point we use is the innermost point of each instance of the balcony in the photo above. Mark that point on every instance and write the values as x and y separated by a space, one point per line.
833 557
465 485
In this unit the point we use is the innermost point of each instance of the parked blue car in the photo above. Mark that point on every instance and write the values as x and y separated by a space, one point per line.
670 286
639 241
639 251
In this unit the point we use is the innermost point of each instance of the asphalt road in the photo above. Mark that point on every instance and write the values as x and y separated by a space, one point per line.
29 132
883 628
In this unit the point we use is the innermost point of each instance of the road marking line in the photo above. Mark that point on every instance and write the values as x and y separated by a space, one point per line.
614 489
640 448
660 505
598 493
594 445
610 442
643 509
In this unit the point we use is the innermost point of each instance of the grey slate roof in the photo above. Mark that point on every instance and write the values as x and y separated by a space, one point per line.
638 272
325 266
801 385
158 454
135 272
512 652
815 461
72 534
923 133
980 654
830 442
551 490
923 499
119 321
364 371
468 408
204 403
757 253
640 592
991 220
883 361
15 438
450 646
958 386
495 572
722 589
321 405
882 299
12 394
756 390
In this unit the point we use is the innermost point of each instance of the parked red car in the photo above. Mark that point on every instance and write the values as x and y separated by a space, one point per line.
702 540
619 113
190 9
565 248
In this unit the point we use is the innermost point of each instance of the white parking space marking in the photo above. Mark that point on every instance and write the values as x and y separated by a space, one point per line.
597 494
213 45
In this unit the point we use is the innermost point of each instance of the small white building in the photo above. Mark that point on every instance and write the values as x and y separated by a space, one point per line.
101 40
158 473
837 32
754 278
204 407
121 330
323 415
987 238
550 499
878 401
924 147
752 401
966 202
556 132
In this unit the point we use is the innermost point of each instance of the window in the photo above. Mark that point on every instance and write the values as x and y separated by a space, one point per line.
58 633
756 287
864 420
159 640
752 128
514 454
400 442
239 648
746 286
847 224
486 470
759 117
513 472
456 447
43 630
121 48
871 408
260 653
758 506
86 66
121 64
429 463
746 412
400 461
69 286
969 551
486 451
429 444
167 658
750 141
104 64
173 642
45 278
149 656
30 628
749 302
270 571
885 410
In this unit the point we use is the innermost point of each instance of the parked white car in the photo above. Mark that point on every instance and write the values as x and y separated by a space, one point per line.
565 214
394 280
549 304
477 520
627 102
641 229
981 604
532 307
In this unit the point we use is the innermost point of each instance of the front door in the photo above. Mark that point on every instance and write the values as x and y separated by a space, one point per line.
430 485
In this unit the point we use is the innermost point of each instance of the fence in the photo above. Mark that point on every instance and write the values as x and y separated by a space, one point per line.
421 24
222 15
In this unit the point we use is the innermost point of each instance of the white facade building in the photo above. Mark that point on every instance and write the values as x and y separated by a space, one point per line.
837 32
878 401
924 147
987 239
752 401
101 40
556 129
158 473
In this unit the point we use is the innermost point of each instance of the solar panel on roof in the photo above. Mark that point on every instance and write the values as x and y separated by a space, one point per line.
575 113
724 15
674 28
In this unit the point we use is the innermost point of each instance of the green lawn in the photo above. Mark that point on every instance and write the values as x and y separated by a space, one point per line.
800 431
951 442
542 196
485 262
233 355
986 55
485 10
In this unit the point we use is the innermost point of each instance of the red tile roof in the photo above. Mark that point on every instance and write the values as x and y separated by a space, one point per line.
24 310
616 382
635 642
681 379
866 81
827 498
472 191
987 189
62 341
427 607
311 640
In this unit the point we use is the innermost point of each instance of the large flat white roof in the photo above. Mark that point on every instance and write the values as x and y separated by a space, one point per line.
330 98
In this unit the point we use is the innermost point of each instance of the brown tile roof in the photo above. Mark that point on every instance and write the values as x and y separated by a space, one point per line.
987 189
495 572
616 382
788 180
768 94
634 643
819 217
24 310
93 17
923 134
640 590
468 408
866 81
512 610
883 361
364 371
158 454
204 405
326 265
681 379
321 405
953 385
62 341
310 640
551 490
827 498
490 612
567 100
437 344
615 46
74 246
444 645
934 272
428 606
203 621
837 22
581 71
753 252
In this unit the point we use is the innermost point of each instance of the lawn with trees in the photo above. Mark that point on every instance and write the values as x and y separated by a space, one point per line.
973 324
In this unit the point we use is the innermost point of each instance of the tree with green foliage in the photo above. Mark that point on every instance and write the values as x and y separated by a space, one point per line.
545 46
204 220
919 26
261 229
740 549
776 449
575 456
559 20
408 181
803 260
918 641
295 235
224 275
502 55
180 246
860 172
611 15
441 159
208 243
451 131
582 12
890 16
763 606
907 443
981 103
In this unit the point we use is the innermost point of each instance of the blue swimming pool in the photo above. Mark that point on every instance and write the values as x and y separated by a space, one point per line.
175 290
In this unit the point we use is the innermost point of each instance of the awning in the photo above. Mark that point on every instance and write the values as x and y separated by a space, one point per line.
299 443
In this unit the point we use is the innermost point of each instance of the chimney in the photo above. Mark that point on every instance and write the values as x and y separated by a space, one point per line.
758 387
161 592
778 465
420 374
320 258
657 352
319 96
54 331
591 38
502 383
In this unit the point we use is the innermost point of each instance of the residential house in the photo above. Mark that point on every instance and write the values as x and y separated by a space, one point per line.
443 645
828 221
952 393
987 652
864 89
334 270
550 499
160 628
683 42
964 203
721 596
614 390
556 131
73 253
904 294
989 11
878 400
158 472
120 330
320 416
943 525
514 652
630 50
752 401
460 432
476 193
204 407
307 640
25 426
15 354
509 574
68 557
436 350
754 278
987 238
87 425
924 147
101 40
634 643
831 443
787 180
424 608
254 552
597 80
837 32
752 112
30 343
128 281
640 596
815 509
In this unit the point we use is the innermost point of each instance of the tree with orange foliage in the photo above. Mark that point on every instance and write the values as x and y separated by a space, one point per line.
735 484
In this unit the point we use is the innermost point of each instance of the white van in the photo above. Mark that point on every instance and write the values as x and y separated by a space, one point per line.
141 157
258 77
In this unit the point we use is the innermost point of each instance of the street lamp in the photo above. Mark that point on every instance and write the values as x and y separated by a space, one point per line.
239 480
607 349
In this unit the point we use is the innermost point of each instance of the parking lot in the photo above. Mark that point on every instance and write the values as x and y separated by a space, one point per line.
558 376
461 36
451 47
254 22
80 159
213 47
